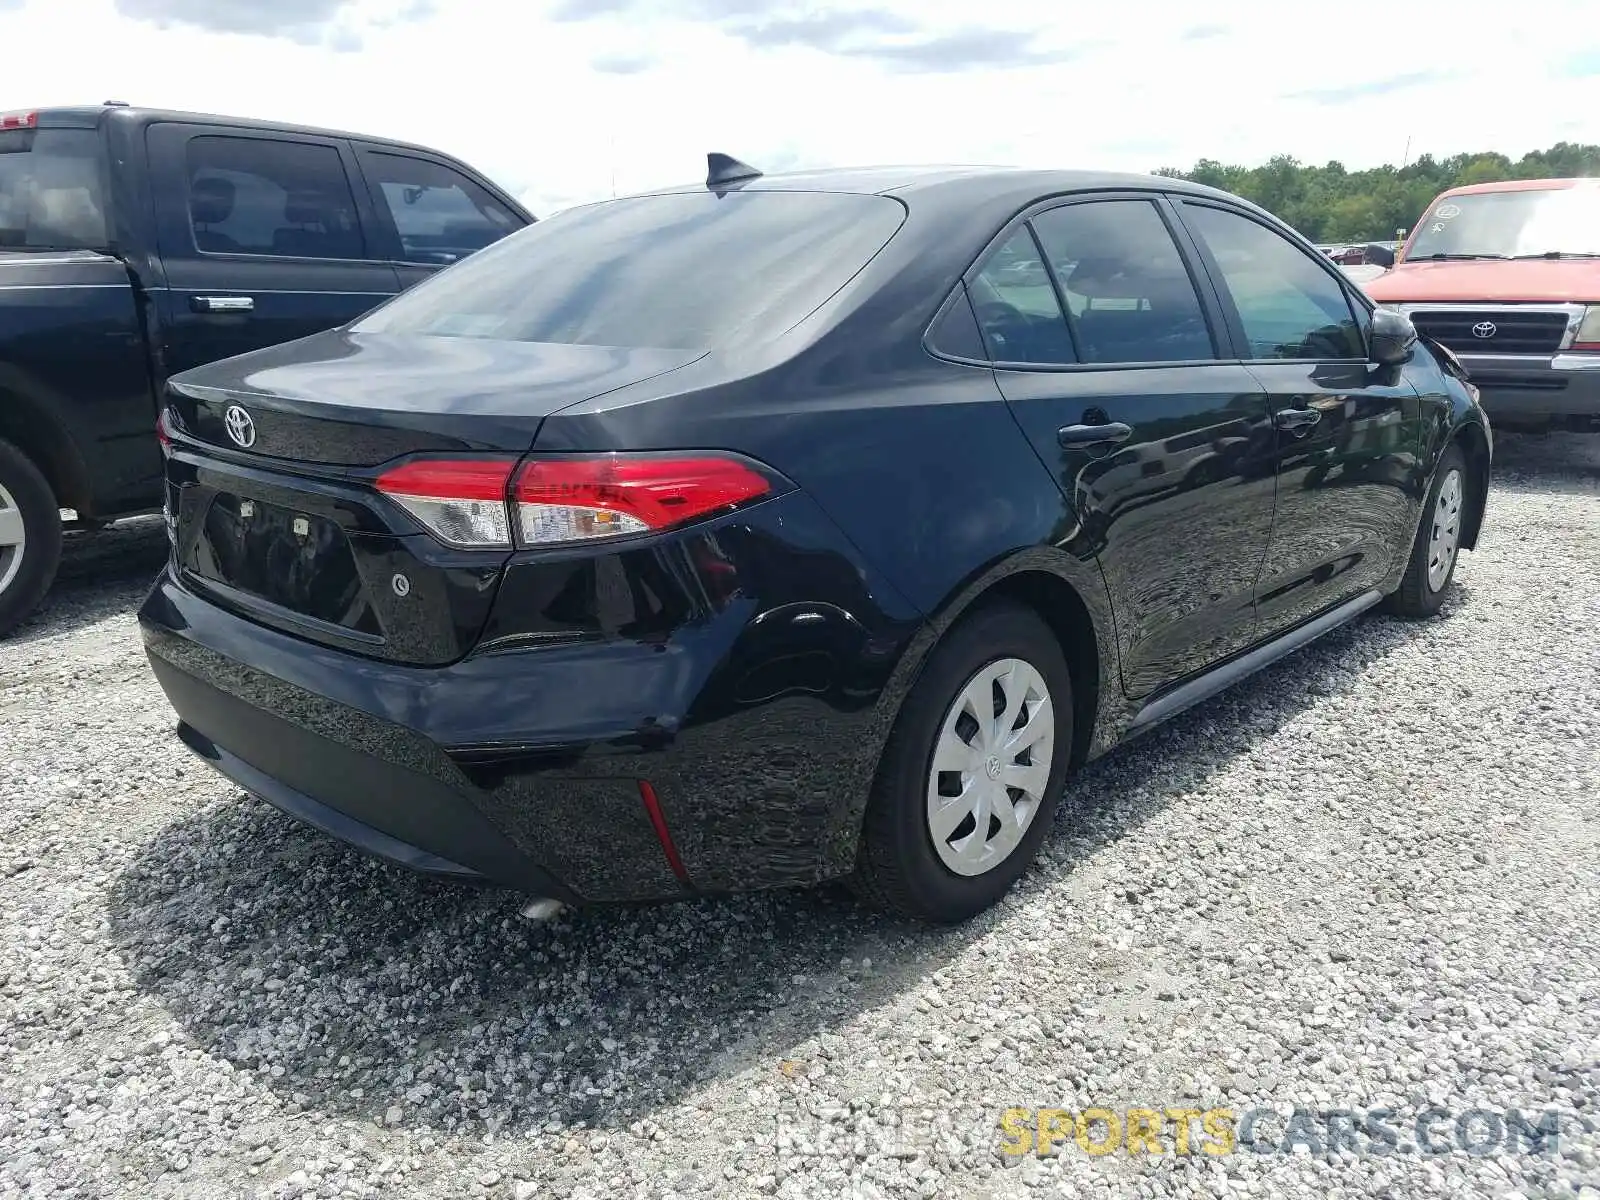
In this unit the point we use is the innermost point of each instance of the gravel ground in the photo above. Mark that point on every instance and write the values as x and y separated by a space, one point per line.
1366 878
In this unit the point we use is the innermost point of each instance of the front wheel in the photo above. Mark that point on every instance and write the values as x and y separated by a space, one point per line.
971 773
1438 542
30 537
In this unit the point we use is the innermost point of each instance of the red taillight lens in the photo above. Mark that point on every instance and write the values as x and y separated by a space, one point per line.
163 434
476 502
461 501
18 120
579 499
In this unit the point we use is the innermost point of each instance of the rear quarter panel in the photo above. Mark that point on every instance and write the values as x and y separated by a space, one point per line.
918 462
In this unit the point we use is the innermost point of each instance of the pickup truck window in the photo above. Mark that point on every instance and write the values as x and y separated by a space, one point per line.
267 196
440 214
51 196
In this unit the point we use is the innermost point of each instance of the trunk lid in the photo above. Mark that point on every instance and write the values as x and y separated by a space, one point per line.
275 514
357 400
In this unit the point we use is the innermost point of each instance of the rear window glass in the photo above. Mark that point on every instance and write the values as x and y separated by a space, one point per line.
682 271
51 195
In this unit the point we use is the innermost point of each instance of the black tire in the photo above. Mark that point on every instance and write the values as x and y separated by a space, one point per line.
898 868
1416 597
41 549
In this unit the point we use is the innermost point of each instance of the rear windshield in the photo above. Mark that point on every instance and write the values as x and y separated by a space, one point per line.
51 195
1511 224
682 271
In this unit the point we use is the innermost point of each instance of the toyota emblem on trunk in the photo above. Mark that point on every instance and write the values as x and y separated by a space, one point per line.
240 425
1484 329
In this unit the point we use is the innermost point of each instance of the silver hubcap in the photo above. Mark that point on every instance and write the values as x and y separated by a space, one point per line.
13 539
1446 531
990 766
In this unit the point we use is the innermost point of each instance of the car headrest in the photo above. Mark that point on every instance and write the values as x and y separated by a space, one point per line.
304 208
1124 278
211 200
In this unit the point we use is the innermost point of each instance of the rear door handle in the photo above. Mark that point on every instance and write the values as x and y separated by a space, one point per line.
1298 421
222 304
1078 437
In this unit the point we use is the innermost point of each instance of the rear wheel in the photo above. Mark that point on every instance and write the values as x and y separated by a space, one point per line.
1438 543
972 771
30 537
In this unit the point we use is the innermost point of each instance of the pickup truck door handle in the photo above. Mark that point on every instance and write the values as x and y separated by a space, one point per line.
1298 421
222 304
1079 437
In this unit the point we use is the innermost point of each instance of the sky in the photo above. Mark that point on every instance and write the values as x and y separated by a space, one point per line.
567 101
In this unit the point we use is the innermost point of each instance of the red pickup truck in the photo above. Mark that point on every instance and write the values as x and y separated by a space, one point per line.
1507 275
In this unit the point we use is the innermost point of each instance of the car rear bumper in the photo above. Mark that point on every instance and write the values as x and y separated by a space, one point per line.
523 765
1536 387
389 790
439 824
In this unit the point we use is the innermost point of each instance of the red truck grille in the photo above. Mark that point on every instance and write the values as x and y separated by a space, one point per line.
1493 331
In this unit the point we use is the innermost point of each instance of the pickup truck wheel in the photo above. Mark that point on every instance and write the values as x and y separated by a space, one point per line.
30 537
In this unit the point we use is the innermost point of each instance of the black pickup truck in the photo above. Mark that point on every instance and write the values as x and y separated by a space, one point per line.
136 243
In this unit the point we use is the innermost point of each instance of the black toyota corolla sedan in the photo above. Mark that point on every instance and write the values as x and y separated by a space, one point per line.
774 530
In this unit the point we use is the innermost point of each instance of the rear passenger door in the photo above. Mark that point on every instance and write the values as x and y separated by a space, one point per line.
429 213
264 238
1109 349
1346 442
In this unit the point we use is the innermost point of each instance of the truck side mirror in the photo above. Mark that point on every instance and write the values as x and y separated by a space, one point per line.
1379 255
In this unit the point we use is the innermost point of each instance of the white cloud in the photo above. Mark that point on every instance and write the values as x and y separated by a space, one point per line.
639 90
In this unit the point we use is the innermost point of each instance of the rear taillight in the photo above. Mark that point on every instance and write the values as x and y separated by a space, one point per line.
486 502
163 434
583 498
462 501
19 120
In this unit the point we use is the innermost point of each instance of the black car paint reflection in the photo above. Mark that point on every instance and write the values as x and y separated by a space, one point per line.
743 674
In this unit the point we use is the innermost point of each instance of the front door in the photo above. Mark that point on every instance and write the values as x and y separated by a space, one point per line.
1347 429
1108 354
262 240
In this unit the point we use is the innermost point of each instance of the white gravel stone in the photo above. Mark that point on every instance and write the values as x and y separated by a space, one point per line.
1369 877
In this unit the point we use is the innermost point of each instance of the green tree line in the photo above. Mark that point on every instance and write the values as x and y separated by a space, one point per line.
1332 204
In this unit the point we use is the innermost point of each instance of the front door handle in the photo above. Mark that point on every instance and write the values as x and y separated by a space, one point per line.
1079 437
222 304
1298 421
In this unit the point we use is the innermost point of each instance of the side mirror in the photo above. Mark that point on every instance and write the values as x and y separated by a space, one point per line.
1379 255
1390 337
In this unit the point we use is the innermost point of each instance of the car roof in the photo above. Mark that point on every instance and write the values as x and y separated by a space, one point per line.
969 193
90 115
910 180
